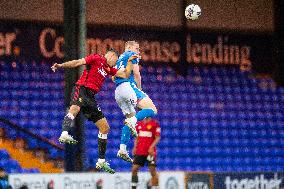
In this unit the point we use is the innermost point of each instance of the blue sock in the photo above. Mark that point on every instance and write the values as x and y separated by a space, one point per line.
125 135
145 113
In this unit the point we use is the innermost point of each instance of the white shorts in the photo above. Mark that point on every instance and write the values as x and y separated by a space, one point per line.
126 98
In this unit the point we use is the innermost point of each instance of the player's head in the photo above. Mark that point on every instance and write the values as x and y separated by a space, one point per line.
132 46
111 56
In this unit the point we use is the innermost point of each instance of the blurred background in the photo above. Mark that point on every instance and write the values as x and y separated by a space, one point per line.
217 82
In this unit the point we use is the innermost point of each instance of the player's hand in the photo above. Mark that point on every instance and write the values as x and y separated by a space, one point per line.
113 78
55 67
151 151
134 57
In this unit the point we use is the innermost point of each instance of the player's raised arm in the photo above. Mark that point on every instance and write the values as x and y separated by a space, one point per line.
137 76
69 64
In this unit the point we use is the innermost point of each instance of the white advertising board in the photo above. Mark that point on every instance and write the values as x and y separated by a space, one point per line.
77 181
171 180
168 180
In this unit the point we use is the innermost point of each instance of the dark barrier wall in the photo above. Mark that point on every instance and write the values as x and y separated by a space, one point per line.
24 41
255 15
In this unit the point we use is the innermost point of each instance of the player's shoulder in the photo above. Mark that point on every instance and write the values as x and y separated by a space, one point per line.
139 124
121 57
94 57
99 57
127 54
155 122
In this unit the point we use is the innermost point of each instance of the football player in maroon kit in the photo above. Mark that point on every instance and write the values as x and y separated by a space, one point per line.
144 150
83 97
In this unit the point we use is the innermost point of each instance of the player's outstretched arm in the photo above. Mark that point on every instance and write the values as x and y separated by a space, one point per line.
69 64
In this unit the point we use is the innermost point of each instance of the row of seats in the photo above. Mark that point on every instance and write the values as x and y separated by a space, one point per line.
13 166
217 118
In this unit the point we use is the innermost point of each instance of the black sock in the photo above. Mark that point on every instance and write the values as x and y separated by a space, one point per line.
67 123
102 143
134 181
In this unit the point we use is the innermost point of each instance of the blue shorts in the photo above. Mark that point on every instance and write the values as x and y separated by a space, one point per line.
139 94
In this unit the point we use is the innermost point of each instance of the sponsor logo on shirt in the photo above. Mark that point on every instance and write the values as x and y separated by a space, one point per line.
149 126
102 71
145 134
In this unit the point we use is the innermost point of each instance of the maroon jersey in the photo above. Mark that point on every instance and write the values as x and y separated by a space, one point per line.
147 131
95 72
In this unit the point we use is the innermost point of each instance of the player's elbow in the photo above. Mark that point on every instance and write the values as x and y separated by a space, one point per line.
80 62
105 129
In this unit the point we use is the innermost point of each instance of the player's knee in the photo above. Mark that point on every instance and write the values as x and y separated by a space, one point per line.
74 110
103 126
155 109
105 129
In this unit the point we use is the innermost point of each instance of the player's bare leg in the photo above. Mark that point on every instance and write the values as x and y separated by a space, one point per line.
148 109
134 178
147 103
125 137
104 128
65 137
131 126
155 177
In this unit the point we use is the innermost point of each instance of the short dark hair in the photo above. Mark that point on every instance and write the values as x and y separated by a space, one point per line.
113 50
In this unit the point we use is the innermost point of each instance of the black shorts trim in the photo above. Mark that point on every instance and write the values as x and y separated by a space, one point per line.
141 160
85 99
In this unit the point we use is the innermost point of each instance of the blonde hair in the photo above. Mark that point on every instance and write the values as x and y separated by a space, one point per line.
130 43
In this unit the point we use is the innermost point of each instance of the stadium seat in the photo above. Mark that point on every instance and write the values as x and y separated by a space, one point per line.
215 119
